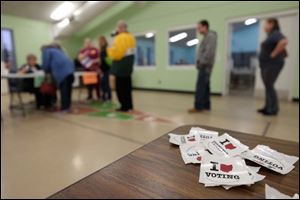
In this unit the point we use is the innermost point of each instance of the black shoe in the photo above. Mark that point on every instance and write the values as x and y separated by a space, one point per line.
207 108
266 113
262 110
121 110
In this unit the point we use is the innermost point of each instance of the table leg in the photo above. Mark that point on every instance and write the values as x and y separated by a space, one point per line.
21 103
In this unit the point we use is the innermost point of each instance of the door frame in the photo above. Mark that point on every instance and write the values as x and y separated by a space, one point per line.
228 31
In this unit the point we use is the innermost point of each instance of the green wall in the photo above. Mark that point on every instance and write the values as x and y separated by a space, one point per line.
165 15
29 35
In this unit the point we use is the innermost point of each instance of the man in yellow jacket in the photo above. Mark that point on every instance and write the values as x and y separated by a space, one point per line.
122 54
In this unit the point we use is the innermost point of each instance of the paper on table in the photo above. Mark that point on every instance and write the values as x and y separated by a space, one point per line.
272 193
192 153
231 171
193 137
271 159
225 145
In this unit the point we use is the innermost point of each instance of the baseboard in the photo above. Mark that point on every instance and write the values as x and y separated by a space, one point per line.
295 99
172 91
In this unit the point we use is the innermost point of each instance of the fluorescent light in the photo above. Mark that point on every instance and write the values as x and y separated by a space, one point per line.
64 23
62 11
178 37
149 35
92 2
250 21
192 42
77 12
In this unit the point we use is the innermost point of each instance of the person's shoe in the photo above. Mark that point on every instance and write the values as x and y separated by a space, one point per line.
266 113
194 110
261 110
207 108
121 110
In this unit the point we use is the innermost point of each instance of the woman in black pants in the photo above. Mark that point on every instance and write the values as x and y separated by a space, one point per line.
271 61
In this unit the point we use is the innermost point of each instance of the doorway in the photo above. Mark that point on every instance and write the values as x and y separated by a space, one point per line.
243 56
251 84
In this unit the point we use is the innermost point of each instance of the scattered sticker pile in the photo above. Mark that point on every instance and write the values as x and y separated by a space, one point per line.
222 158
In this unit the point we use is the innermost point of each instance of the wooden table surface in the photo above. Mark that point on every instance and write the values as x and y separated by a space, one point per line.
157 170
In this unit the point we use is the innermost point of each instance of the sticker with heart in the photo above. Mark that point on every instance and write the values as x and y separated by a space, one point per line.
230 146
226 168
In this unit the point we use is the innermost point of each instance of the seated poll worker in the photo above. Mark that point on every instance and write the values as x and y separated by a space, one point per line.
122 54
28 83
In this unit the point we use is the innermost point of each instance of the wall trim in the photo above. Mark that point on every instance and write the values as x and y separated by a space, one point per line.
172 91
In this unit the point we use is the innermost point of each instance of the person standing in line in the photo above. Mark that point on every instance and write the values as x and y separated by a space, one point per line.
56 62
122 54
105 67
89 58
205 61
271 61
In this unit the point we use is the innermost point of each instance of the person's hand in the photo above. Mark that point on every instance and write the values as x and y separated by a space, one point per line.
272 55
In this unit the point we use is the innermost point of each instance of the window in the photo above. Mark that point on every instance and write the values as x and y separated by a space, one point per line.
145 50
182 47
7 48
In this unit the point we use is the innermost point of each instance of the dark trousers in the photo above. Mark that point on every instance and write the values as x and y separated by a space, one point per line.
95 87
269 74
124 90
106 91
66 92
202 95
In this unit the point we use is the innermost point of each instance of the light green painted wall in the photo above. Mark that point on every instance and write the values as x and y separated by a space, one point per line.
29 35
165 15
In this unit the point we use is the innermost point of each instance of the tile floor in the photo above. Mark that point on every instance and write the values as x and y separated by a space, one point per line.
45 152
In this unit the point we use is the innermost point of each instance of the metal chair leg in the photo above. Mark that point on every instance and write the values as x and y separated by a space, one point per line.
21 103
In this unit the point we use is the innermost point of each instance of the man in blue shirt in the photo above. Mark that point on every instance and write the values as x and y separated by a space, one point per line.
56 62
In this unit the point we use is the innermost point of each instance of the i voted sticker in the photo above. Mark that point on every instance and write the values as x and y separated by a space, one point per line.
192 153
203 134
215 171
225 145
271 159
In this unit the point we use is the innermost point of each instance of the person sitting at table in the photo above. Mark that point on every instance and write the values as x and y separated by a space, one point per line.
28 83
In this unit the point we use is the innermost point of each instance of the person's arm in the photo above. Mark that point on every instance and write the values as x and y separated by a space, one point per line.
117 50
46 60
23 69
210 50
279 47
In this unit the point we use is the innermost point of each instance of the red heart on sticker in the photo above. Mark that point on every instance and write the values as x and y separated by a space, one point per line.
226 168
191 139
230 146
199 158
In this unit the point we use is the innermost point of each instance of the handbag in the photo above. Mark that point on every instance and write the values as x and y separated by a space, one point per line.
48 86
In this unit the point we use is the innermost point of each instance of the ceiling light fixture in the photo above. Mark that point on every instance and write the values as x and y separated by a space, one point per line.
77 12
178 37
64 23
149 35
250 21
192 42
62 11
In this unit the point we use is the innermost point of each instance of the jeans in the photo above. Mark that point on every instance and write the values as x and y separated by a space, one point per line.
269 74
123 90
106 91
202 95
66 92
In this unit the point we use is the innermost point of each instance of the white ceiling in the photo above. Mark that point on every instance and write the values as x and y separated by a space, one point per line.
38 10
41 10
